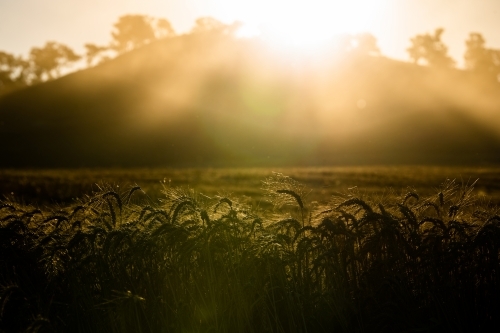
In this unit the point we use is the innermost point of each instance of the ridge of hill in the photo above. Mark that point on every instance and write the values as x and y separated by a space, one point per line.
211 100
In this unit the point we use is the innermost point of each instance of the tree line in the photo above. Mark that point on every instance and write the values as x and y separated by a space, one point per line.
430 50
133 31
129 32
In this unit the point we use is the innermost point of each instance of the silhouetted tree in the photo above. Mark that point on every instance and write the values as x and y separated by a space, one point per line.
13 71
479 58
430 49
365 44
46 62
163 28
132 31
210 24
94 52
7 62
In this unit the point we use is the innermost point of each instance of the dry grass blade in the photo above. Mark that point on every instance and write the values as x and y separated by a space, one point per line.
294 195
427 204
223 200
180 207
118 201
284 190
76 210
410 195
7 206
436 222
129 194
356 202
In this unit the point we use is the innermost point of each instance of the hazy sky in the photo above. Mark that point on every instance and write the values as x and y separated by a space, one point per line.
28 23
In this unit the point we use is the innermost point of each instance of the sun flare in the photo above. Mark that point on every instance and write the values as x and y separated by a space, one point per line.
309 24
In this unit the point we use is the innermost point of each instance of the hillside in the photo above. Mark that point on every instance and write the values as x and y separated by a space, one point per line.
207 100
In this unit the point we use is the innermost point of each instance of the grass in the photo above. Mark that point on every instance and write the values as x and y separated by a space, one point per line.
119 261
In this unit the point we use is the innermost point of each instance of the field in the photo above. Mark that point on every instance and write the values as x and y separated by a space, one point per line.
344 249
64 186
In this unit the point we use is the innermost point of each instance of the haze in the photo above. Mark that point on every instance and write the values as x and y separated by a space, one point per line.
28 23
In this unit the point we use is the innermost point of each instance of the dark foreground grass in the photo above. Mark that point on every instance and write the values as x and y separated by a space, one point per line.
198 263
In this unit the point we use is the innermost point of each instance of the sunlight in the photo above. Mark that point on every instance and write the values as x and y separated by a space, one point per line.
248 31
307 25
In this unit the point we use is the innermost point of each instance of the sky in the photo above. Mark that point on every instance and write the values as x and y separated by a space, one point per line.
28 23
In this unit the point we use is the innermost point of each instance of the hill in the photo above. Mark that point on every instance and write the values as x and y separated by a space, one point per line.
211 100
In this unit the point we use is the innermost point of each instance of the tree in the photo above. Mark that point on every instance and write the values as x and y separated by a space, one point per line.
13 71
480 59
210 24
46 62
95 52
365 44
8 68
163 28
133 31
430 49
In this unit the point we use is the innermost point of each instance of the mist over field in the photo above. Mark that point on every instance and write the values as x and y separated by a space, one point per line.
214 100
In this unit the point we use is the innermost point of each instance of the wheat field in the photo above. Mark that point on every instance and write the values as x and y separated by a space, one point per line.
317 250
